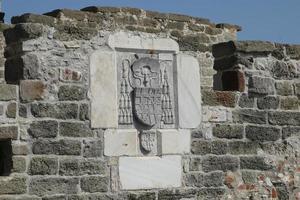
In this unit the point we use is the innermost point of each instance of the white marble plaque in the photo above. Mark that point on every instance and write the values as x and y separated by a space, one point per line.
175 141
150 172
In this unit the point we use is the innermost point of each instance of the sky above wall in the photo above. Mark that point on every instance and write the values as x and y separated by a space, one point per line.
272 20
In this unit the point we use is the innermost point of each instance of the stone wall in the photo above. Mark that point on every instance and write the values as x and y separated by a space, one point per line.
246 146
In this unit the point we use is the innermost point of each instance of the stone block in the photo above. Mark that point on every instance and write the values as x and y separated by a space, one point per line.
9 132
43 129
250 116
58 110
19 164
268 102
297 89
212 179
284 88
150 172
70 75
189 95
215 114
242 147
142 196
8 92
228 131
289 103
262 133
284 70
203 147
93 184
104 100
60 147
22 110
219 98
169 194
120 142
222 163
284 118
261 85
74 129
75 167
92 148
256 163
175 142
290 131
41 186
71 93
31 90
13 185
11 110
84 113
130 41
20 148
43 166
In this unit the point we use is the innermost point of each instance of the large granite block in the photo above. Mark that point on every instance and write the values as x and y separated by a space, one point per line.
104 104
150 172
189 96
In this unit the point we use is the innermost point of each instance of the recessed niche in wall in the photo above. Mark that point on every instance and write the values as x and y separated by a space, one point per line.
5 157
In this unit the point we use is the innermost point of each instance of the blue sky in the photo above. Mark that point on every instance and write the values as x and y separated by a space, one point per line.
273 20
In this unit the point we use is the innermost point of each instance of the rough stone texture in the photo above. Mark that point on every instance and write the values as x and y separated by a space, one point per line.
13 185
261 85
228 131
289 103
60 111
60 147
8 132
8 92
94 184
31 90
223 163
70 129
250 116
284 118
262 134
43 129
43 166
53 185
71 93
269 102
11 110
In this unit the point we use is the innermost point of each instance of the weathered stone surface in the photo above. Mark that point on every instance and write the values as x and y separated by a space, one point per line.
32 18
250 116
104 100
297 89
245 101
43 166
84 113
212 179
203 147
228 131
284 70
19 164
216 98
71 93
20 148
262 133
8 92
120 142
213 114
1 110
31 90
94 184
142 196
189 96
256 163
268 102
290 131
150 172
13 185
43 129
261 85
53 185
60 147
70 75
75 167
289 103
22 110
284 88
284 118
255 46
8 132
192 42
175 142
92 148
169 194
242 147
70 129
11 110
31 67
223 163
130 41
58 110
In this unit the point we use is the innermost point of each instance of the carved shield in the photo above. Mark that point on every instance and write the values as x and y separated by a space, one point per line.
148 140
147 105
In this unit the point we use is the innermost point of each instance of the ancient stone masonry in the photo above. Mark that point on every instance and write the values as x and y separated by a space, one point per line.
123 103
